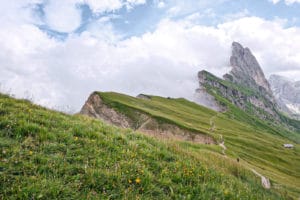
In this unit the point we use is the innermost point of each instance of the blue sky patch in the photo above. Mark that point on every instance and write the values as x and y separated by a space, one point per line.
145 17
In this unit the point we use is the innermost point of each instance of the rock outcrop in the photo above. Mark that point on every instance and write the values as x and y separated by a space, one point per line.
246 70
244 86
95 107
287 94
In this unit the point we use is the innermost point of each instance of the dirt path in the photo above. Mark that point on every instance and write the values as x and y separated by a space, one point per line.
212 130
222 144
212 124
264 181
142 126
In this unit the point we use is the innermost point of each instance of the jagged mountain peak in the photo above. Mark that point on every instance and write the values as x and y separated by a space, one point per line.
237 48
244 86
246 69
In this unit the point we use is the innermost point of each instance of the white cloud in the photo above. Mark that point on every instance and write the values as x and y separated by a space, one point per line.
186 7
161 4
65 16
103 5
62 16
99 6
136 2
103 30
275 1
12 13
238 15
272 43
163 62
292 1
288 2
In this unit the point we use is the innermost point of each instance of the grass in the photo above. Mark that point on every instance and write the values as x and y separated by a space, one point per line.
51 155
163 110
257 143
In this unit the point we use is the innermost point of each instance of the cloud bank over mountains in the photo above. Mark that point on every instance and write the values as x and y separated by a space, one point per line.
165 61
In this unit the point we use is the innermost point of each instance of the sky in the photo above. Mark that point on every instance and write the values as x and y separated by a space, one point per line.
57 52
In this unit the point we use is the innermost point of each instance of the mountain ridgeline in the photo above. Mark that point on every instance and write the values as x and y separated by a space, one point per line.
246 87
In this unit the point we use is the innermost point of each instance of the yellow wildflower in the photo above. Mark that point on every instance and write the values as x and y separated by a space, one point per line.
30 152
138 180
76 138
226 192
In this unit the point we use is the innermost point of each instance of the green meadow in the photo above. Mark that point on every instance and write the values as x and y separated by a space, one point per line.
46 154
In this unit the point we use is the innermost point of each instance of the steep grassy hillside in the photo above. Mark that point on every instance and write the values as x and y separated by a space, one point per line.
50 155
256 143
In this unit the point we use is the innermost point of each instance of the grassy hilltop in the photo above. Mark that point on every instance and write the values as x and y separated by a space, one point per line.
50 155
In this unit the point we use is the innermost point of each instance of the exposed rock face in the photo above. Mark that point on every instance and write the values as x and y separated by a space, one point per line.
287 93
170 131
235 95
246 70
245 84
95 107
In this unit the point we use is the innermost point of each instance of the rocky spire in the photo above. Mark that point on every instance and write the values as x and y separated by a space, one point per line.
246 70
245 84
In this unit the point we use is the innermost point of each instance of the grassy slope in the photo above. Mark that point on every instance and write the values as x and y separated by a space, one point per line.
258 144
276 161
50 155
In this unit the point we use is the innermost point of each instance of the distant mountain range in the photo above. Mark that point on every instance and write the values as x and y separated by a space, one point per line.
287 94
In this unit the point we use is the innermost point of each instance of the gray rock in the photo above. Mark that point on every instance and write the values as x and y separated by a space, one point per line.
287 94
95 107
143 96
246 70
244 85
